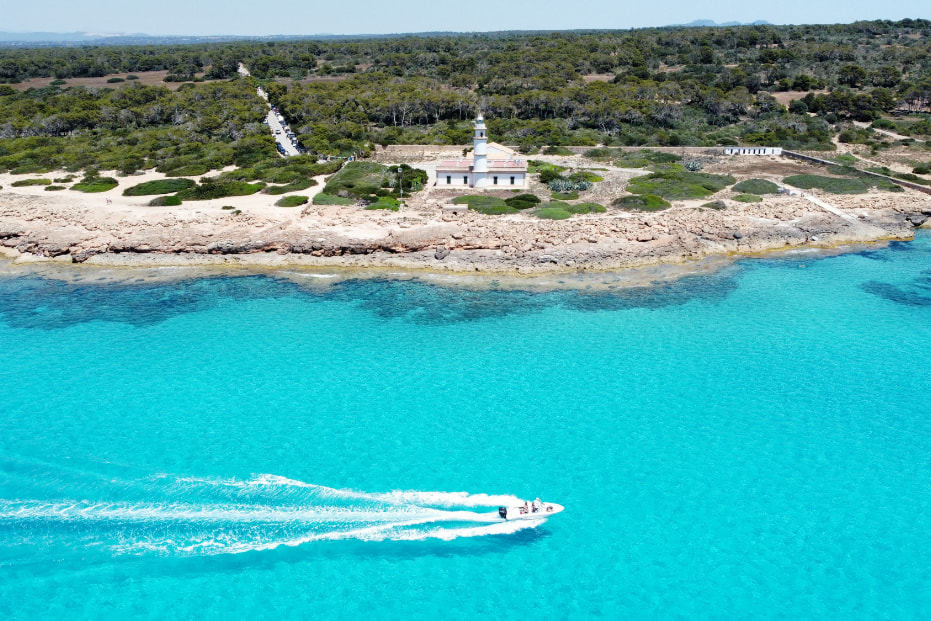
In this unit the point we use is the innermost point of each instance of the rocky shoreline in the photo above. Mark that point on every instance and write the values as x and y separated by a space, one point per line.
425 238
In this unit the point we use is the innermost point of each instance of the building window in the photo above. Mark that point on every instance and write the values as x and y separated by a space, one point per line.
465 181
512 180
495 180
481 134
449 179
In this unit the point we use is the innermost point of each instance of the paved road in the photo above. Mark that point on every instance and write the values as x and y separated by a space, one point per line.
279 131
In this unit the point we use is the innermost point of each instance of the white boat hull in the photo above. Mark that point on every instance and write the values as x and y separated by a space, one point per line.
526 512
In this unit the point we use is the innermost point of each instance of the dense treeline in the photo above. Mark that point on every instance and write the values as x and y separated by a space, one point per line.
192 130
669 86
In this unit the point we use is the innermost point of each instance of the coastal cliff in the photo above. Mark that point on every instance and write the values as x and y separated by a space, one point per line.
424 237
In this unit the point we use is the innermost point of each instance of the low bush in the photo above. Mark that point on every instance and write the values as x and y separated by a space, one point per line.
385 202
557 151
642 202
587 208
912 178
756 186
115 80
295 200
679 185
212 188
522 201
565 196
54 188
833 185
67 179
165 201
92 184
160 186
294 186
748 198
716 205
488 205
191 170
329 199
552 213
644 158
21 183
132 77
922 169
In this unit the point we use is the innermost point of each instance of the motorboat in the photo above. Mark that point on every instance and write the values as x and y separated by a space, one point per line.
536 510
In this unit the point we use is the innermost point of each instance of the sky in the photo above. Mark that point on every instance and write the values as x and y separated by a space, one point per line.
290 17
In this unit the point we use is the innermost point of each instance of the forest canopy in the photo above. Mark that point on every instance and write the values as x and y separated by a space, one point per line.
667 86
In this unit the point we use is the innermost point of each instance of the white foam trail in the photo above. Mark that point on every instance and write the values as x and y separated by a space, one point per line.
200 516
383 532
440 499
71 511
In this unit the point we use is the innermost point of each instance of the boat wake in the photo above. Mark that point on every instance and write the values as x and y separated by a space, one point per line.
199 516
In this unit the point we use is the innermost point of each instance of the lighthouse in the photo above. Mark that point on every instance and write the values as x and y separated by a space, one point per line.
491 167
480 154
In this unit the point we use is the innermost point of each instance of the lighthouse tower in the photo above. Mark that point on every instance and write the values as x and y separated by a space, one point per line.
480 154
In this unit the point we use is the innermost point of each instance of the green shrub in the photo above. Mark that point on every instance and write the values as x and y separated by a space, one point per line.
358 179
115 80
587 208
644 158
95 184
329 199
522 201
828 184
67 179
132 77
716 205
912 178
54 188
227 207
166 201
884 124
679 185
191 170
294 186
748 198
58 82
922 169
27 182
488 205
551 213
212 188
756 186
643 202
585 175
295 200
160 186
565 196
385 202
557 151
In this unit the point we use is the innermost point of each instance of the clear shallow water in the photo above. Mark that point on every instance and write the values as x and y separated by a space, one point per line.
751 443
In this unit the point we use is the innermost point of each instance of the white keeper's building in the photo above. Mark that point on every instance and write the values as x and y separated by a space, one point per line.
492 166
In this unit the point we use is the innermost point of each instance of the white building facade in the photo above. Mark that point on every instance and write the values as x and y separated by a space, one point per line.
752 150
492 166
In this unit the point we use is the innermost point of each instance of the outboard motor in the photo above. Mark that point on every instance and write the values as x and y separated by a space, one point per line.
503 512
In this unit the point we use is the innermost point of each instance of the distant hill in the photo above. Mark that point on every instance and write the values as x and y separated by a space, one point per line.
708 23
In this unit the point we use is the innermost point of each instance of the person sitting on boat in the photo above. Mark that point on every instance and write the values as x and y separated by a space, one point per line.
537 505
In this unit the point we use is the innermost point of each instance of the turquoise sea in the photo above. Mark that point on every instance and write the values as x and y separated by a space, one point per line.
755 443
